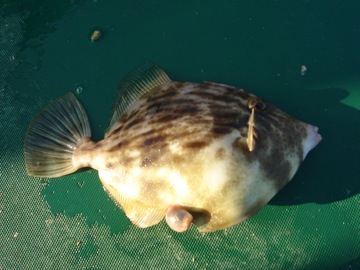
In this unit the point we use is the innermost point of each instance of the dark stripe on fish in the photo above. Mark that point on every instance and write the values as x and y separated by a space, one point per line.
153 140
170 92
196 145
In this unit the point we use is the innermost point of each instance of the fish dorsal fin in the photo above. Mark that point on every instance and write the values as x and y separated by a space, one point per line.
133 86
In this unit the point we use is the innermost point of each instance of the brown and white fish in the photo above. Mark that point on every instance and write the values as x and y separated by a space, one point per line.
205 154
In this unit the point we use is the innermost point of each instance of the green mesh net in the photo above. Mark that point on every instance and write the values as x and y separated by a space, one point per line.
71 223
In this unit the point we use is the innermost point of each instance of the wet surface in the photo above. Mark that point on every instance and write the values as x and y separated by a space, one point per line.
70 222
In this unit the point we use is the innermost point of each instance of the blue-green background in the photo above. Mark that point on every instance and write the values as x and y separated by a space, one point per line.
70 223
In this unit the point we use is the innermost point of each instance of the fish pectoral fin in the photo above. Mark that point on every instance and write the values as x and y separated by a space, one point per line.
53 137
133 86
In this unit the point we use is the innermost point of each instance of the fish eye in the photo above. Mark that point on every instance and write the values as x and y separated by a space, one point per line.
257 104
260 106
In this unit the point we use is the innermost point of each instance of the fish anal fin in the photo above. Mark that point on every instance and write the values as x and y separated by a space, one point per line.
143 216
133 86
139 214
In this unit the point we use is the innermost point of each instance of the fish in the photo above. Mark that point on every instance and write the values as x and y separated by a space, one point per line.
207 155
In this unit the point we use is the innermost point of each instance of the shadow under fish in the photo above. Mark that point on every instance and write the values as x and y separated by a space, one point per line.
205 154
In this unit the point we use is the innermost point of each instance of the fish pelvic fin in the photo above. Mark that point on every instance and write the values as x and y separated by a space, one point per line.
133 86
53 136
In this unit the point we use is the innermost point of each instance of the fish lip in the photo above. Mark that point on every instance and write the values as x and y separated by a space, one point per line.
312 139
316 136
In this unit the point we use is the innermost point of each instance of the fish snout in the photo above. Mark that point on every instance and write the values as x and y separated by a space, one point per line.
312 139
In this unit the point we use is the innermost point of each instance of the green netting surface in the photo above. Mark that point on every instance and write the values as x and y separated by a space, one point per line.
70 223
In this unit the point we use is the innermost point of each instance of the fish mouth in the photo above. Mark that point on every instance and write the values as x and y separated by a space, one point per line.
312 139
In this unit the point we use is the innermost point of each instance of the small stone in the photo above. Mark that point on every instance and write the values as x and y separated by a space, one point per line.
95 35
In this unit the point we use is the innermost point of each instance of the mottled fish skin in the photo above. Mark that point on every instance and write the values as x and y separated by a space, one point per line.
185 144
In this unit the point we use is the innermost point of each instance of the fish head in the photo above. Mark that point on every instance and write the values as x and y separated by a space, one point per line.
255 171
268 126
280 140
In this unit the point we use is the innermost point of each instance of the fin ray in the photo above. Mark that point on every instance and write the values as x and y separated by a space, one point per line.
139 214
143 216
52 138
133 86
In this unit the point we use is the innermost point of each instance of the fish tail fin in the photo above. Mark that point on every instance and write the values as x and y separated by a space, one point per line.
53 136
